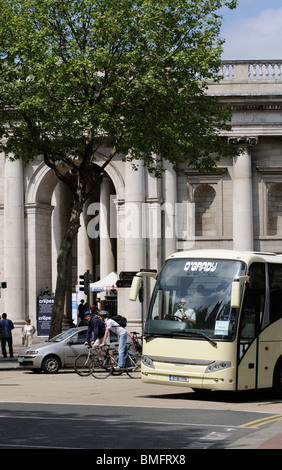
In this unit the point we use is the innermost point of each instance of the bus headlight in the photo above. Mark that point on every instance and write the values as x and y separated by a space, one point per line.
147 361
217 365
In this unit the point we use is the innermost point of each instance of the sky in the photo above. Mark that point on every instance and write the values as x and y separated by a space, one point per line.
253 30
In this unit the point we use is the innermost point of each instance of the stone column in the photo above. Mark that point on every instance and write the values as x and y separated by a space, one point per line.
243 196
38 254
133 232
62 201
107 261
14 243
84 255
170 198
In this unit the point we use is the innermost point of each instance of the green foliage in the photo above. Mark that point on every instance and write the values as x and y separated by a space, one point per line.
79 76
131 75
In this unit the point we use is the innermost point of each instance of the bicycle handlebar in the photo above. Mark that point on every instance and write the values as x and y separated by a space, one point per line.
90 346
103 348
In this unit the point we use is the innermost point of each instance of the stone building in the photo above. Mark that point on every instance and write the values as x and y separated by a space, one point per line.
142 219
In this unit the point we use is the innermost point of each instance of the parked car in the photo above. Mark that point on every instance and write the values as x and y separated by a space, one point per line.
60 352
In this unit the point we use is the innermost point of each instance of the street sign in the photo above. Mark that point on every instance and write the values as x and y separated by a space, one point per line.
125 275
125 278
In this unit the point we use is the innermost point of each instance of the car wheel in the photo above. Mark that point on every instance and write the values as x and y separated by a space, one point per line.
51 364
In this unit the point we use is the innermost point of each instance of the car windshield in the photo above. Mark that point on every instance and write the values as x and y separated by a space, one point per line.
62 336
192 299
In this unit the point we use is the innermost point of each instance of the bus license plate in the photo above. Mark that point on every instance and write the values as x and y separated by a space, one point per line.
177 378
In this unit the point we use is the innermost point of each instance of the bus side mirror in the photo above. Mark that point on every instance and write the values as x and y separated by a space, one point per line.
137 280
236 290
135 287
235 294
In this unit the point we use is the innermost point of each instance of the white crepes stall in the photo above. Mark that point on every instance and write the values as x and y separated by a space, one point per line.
105 284
106 291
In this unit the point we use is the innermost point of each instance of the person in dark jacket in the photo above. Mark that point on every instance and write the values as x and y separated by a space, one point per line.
81 313
95 332
6 326
96 329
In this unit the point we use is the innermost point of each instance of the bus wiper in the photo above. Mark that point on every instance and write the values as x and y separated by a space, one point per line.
200 333
174 334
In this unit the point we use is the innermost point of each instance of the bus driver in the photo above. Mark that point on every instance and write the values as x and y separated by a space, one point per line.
185 314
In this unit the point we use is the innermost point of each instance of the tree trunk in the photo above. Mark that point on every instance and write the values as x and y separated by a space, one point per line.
62 266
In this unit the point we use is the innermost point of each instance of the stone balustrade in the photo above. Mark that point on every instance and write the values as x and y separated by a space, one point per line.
257 70
247 78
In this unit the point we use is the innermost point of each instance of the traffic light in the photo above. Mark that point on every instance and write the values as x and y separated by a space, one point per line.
84 282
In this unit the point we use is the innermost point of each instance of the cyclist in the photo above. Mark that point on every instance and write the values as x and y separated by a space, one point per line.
121 332
96 328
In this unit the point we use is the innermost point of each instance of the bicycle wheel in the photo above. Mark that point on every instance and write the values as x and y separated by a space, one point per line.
102 367
83 365
133 367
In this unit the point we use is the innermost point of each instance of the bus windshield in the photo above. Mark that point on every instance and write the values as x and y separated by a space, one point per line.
192 299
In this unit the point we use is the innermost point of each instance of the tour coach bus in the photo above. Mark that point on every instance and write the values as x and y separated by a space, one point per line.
214 321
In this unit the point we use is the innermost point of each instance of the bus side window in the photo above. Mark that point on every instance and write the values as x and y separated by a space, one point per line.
275 291
253 306
250 315
258 290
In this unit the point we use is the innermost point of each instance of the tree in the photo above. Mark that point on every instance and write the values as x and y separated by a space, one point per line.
130 76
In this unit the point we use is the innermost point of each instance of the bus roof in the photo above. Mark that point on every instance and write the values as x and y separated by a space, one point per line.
246 256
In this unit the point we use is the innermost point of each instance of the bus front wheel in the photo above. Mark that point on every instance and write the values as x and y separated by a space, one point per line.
277 378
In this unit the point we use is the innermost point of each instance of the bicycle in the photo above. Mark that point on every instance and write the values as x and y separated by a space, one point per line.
96 362
131 365
101 363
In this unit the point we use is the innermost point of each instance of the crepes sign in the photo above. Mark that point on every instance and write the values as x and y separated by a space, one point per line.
45 307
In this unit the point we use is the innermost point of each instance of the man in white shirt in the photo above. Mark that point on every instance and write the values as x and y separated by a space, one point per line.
185 314
121 332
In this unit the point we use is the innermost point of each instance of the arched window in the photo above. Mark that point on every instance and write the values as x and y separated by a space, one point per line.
205 211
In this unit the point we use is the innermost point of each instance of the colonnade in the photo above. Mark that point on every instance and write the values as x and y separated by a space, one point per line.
27 233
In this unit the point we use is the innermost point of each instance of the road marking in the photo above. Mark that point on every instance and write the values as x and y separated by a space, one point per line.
261 422
209 440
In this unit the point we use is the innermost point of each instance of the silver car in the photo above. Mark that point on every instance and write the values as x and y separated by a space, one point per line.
60 351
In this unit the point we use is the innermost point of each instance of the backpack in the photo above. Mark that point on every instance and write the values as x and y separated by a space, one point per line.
122 321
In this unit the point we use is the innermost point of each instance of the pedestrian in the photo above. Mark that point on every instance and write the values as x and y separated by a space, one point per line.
6 335
112 325
94 309
27 333
81 310
84 321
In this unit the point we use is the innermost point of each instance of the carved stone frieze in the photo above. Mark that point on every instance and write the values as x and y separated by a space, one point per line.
243 140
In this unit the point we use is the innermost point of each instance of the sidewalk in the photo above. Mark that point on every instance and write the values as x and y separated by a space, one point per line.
268 438
12 363
9 363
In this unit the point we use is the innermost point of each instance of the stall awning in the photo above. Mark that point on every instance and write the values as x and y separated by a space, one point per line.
106 283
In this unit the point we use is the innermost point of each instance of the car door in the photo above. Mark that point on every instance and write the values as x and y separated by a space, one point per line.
75 346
